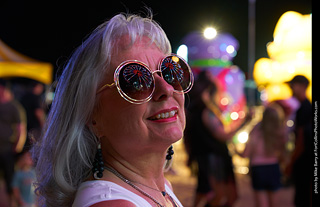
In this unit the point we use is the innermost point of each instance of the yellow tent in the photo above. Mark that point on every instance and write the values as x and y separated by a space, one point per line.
14 64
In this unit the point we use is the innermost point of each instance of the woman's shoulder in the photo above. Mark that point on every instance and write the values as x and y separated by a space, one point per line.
255 136
100 193
256 131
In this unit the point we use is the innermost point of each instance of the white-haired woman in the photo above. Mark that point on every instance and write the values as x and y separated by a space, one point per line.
119 106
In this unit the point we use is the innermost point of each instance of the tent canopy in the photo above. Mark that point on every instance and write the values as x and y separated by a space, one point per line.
15 64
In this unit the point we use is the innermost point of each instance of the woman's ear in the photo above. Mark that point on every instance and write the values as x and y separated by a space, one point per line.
93 121
93 126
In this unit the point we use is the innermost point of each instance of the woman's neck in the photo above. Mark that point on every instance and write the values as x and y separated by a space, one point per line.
145 169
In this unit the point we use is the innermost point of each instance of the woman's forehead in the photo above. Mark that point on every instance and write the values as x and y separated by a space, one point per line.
141 50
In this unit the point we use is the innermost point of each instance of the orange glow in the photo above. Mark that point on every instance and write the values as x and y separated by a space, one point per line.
290 55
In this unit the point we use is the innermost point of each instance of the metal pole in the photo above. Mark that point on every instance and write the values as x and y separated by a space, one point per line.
251 47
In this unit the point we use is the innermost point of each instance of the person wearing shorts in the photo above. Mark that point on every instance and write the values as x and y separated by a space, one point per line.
266 177
264 150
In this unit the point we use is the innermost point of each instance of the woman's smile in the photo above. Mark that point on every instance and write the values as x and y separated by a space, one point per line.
166 115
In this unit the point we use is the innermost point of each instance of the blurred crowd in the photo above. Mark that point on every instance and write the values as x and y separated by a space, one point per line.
206 139
22 116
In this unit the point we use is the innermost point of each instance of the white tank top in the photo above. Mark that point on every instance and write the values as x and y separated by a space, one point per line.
92 192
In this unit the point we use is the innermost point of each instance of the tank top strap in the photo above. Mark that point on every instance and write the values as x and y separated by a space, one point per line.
173 196
92 192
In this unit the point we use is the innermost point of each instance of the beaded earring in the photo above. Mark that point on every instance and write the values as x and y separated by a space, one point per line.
98 165
170 152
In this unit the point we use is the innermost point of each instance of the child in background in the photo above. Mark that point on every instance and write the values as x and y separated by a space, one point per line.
264 149
23 190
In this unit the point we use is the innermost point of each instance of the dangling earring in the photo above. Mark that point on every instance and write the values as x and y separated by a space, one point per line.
98 165
170 152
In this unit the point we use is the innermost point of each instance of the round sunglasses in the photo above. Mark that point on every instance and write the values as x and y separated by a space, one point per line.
136 84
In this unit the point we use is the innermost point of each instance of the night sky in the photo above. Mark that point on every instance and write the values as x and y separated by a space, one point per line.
50 30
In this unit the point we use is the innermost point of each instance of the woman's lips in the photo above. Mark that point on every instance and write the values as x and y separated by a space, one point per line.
165 115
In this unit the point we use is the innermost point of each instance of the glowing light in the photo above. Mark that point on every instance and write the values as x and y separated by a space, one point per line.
224 101
183 52
225 58
223 47
300 55
229 79
50 96
243 170
263 95
243 137
290 123
291 69
242 114
234 115
175 59
290 146
290 55
210 33
230 49
278 91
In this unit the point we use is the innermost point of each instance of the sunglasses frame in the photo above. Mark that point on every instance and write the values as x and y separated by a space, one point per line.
135 101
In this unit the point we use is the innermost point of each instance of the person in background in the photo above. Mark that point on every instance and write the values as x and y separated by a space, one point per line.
12 132
23 180
33 104
206 143
300 166
264 150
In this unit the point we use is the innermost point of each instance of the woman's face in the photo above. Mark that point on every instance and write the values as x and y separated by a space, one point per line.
124 125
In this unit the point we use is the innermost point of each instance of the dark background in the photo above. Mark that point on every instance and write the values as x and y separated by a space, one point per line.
51 30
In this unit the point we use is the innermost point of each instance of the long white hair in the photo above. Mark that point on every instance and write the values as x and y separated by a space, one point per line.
66 149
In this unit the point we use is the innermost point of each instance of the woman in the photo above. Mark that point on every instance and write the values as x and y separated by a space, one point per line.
264 149
119 107
206 142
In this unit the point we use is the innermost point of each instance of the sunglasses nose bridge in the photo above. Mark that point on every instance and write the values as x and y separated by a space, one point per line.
161 85
157 72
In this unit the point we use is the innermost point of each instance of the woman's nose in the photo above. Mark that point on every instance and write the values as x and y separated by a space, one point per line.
163 90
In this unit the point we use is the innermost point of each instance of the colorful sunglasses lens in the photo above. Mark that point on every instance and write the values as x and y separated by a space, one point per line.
136 82
177 73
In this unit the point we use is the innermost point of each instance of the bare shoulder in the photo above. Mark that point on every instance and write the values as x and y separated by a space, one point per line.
255 133
114 203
